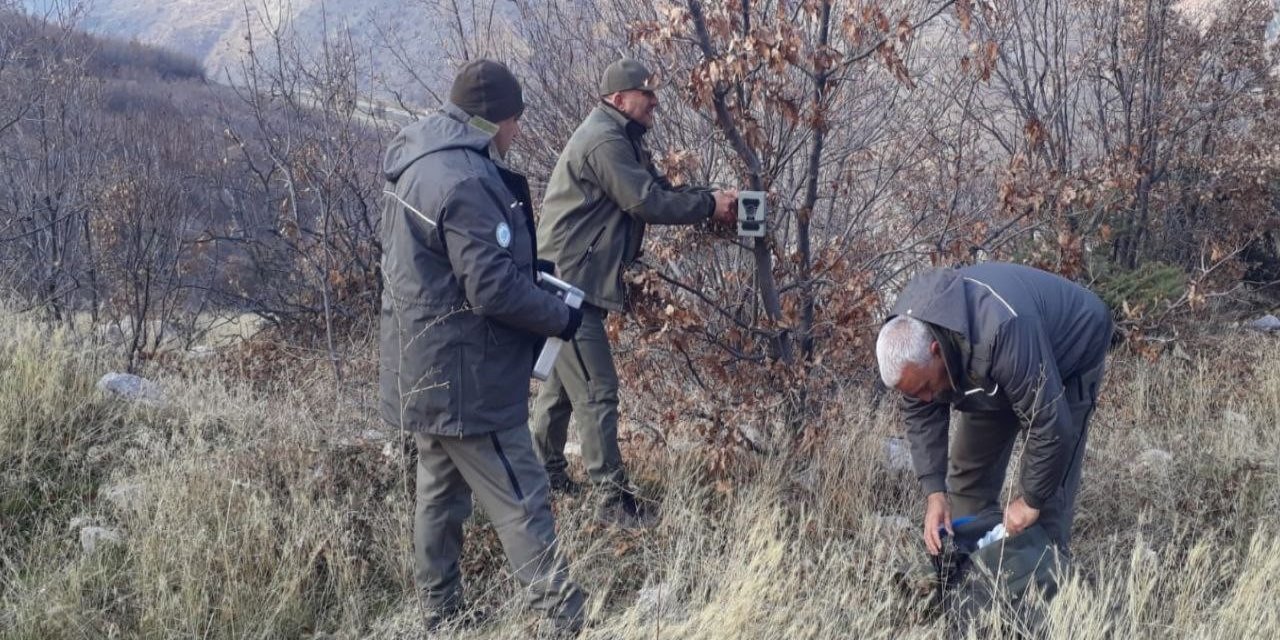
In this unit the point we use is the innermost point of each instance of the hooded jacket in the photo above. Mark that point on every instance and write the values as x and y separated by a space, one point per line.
462 316
603 191
1010 336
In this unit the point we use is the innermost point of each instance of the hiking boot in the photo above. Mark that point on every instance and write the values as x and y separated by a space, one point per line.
457 619
621 509
562 483
559 627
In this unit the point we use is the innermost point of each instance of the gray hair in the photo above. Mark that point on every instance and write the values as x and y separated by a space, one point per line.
902 340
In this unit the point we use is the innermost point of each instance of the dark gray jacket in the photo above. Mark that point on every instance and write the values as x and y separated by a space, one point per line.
1011 335
602 192
462 317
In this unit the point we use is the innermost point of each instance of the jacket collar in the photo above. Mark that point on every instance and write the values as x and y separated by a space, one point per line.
954 355
455 112
634 129
948 342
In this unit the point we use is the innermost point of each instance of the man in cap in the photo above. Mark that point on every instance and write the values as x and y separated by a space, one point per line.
603 191
462 321
1008 347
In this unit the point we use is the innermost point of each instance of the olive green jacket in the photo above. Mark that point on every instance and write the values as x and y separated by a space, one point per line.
602 192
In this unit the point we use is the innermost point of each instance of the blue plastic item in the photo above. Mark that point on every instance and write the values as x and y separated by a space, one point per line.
958 522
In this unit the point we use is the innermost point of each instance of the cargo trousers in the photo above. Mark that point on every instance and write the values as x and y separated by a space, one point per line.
501 471
983 442
583 384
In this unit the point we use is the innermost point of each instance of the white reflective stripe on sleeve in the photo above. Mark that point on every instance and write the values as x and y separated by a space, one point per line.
410 207
993 292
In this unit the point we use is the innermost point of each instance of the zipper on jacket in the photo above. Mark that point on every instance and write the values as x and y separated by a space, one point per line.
591 247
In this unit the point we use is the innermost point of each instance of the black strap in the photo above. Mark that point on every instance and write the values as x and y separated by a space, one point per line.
511 474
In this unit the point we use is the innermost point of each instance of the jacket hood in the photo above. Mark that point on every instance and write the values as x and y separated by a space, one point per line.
445 129
938 298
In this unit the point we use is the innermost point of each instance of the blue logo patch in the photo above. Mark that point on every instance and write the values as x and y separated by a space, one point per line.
503 234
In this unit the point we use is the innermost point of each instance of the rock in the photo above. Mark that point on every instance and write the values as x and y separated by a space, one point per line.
367 439
202 352
250 325
132 388
573 449
808 478
683 445
654 601
892 523
1235 418
754 437
1143 553
374 436
1157 460
390 451
1266 324
126 496
93 537
897 454
97 453
79 522
321 473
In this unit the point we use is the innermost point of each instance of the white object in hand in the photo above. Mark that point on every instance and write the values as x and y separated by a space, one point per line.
996 534
751 214
573 297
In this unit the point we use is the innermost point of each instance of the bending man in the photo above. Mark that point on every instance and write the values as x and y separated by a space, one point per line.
1008 347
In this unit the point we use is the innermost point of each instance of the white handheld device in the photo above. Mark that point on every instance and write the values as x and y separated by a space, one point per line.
572 296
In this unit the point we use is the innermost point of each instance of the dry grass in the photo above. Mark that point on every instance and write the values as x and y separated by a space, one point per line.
265 513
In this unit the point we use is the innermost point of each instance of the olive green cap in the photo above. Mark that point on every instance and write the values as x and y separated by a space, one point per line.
627 74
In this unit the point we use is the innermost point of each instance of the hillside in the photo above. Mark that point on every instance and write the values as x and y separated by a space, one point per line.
141 195
215 31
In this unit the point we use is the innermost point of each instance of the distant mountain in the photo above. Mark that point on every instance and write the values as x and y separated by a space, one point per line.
215 31
195 27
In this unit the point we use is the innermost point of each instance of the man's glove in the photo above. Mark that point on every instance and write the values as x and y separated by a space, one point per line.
546 266
575 321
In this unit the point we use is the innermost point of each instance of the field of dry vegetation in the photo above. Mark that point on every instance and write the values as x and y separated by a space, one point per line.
266 508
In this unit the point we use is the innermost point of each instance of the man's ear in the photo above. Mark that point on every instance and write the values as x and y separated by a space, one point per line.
935 349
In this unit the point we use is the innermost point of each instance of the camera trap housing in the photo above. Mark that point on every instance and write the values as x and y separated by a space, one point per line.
751 214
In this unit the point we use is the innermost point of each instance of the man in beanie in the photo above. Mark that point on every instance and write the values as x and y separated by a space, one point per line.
603 191
462 322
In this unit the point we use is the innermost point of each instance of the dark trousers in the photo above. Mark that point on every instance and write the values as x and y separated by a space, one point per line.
982 444
501 471
584 384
